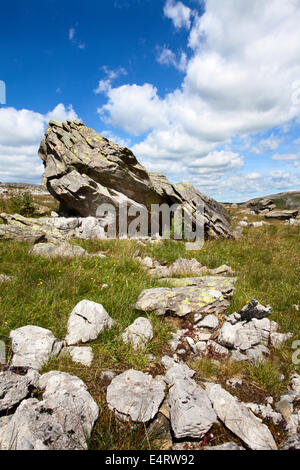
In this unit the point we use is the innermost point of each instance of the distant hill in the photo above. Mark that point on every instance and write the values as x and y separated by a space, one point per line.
289 200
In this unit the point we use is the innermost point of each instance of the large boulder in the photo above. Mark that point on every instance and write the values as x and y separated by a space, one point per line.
84 170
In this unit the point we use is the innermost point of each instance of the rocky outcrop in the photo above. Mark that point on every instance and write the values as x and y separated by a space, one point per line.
84 170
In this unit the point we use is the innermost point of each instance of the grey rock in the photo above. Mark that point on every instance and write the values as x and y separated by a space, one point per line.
192 414
240 420
227 446
217 349
234 382
282 214
14 388
278 339
210 321
265 411
178 372
135 396
217 283
84 170
292 443
33 346
167 362
254 310
64 250
238 356
181 301
86 322
63 420
80 354
139 333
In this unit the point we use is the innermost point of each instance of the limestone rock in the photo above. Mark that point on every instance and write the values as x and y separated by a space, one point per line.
84 170
282 214
139 333
192 414
86 322
64 250
240 420
135 396
210 321
14 388
63 420
218 283
292 443
33 347
227 446
182 301
80 354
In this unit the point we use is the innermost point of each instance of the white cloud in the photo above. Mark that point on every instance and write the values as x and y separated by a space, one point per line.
128 102
284 157
74 41
179 13
266 145
71 33
167 57
240 80
217 162
105 85
20 134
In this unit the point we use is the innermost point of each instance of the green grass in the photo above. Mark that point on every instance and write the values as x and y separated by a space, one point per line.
44 292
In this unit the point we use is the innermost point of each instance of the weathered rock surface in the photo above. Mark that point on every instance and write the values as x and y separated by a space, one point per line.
292 443
227 446
63 250
240 420
19 228
282 214
139 333
261 206
86 322
33 347
217 283
80 354
135 396
14 388
84 170
63 420
181 301
192 414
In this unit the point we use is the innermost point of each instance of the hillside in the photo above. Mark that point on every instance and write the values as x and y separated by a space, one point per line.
289 200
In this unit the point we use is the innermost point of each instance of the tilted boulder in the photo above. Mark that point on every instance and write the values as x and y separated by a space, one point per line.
84 170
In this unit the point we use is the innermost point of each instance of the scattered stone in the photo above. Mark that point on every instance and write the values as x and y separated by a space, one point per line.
135 396
139 333
33 347
192 414
292 443
240 420
210 322
217 283
178 372
255 310
282 214
181 301
63 420
64 250
260 206
278 339
15 388
227 446
80 354
265 411
86 322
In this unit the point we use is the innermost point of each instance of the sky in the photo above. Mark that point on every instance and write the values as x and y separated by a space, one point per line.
204 91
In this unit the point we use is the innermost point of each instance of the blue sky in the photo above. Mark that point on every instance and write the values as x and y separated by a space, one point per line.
204 91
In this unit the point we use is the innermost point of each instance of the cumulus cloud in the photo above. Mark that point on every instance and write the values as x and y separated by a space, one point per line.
179 13
168 57
241 79
20 134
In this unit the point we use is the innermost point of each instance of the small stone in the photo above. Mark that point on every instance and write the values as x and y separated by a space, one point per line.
139 333
80 354
210 322
86 322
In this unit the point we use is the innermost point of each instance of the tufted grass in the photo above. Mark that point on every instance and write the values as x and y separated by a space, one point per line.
44 292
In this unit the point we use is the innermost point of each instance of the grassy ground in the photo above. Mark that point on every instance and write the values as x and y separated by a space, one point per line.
43 293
